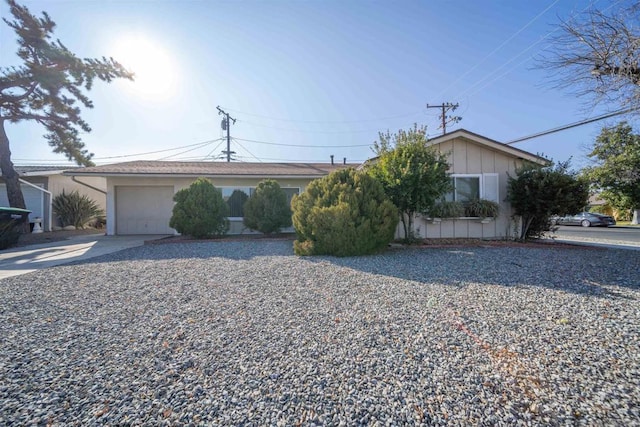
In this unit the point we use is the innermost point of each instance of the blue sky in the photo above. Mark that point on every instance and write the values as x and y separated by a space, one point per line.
309 79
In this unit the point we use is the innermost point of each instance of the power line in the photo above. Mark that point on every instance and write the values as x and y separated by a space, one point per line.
399 116
503 44
572 125
243 147
302 145
186 151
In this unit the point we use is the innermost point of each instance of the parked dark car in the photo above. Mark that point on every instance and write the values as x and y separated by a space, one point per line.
587 219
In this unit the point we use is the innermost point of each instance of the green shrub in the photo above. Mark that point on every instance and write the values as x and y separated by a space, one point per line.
9 233
538 192
236 202
446 209
345 213
482 208
75 209
267 209
200 211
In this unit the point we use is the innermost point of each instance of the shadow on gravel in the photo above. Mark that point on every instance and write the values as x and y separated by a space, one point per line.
591 272
575 270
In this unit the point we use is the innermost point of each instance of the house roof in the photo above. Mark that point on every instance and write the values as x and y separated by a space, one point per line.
210 169
42 170
489 143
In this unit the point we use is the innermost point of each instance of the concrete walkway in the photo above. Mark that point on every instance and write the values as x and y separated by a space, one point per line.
31 258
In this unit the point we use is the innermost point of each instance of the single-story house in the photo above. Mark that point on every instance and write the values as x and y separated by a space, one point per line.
140 193
479 168
40 184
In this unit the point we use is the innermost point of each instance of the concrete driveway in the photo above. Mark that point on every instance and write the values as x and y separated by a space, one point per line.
24 260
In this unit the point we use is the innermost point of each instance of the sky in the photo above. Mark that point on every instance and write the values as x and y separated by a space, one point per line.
309 79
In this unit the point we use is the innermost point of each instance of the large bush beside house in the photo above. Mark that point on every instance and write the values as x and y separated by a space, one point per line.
267 209
200 211
536 193
345 213
75 209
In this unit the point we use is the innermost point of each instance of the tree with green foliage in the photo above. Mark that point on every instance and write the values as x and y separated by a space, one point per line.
413 175
538 192
267 209
46 88
200 211
616 169
345 213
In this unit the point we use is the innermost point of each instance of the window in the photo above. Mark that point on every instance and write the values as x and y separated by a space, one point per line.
465 188
469 187
237 196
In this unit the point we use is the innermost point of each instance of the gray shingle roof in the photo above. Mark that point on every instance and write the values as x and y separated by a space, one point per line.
157 168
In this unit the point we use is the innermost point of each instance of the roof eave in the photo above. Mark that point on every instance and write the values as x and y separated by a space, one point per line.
190 175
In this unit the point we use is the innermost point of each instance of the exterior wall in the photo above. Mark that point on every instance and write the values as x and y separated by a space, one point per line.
178 183
468 157
57 183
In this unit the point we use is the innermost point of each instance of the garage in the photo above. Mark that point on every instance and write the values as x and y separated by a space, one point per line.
144 209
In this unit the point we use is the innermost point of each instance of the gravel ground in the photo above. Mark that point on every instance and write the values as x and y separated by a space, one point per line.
244 333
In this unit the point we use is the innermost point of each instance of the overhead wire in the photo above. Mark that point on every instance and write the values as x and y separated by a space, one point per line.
503 44
302 145
399 116
573 125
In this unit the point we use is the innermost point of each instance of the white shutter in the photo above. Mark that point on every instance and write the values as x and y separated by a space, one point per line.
490 187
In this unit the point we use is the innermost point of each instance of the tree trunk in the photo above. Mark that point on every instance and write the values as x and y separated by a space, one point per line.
10 177
9 174
636 215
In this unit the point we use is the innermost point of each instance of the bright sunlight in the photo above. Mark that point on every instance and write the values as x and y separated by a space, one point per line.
155 72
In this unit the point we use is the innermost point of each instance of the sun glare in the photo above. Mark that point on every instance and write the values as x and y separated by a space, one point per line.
155 72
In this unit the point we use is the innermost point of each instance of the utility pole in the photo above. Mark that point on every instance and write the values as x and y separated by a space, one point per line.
446 106
225 126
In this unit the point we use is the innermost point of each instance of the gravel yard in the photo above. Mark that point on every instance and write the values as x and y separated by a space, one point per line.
245 333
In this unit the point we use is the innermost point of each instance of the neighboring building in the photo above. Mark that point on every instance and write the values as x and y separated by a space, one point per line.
40 184
480 168
140 193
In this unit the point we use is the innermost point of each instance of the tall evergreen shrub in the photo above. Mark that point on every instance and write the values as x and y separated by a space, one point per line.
200 211
267 209
345 213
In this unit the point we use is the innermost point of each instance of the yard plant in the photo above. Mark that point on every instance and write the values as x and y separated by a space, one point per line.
345 213
75 209
200 211
413 175
538 192
267 209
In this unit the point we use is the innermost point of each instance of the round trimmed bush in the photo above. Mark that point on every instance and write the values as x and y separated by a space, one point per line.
267 209
200 211
345 213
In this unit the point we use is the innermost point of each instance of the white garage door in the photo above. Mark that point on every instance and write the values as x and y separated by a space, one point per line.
33 199
144 210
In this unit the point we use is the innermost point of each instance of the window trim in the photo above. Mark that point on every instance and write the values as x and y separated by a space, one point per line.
469 175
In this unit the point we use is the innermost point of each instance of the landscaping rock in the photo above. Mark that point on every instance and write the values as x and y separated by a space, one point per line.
244 333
